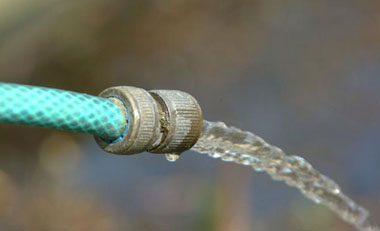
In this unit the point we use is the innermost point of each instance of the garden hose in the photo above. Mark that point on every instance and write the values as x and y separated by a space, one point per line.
124 120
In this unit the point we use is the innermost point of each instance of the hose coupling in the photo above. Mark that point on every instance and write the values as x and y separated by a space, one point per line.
157 121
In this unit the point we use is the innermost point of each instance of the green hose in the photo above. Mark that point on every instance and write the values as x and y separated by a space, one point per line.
59 109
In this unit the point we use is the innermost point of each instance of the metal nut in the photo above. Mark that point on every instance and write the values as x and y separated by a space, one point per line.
158 121
182 122
142 120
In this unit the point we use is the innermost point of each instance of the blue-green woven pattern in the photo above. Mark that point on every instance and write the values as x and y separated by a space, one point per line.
59 109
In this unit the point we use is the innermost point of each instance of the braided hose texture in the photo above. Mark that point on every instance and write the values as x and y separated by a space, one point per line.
60 109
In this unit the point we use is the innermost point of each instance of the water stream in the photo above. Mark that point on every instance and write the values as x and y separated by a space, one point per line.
234 145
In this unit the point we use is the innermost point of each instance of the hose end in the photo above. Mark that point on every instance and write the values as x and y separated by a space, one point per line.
157 121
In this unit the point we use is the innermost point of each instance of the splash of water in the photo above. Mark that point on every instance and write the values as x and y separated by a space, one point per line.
234 145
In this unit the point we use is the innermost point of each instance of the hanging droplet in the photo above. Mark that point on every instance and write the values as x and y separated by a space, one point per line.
172 157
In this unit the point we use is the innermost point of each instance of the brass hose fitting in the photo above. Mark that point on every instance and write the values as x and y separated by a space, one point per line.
158 121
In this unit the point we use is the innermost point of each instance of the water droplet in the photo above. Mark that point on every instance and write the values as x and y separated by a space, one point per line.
172 157
215 154
336 191
257 168
285 171
228 157
316 200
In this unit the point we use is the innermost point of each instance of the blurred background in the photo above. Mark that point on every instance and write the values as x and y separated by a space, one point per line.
304 75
